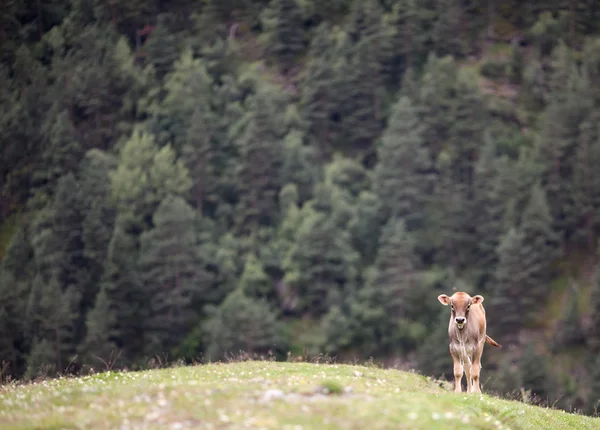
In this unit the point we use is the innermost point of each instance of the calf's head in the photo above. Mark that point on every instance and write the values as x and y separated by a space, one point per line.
460 304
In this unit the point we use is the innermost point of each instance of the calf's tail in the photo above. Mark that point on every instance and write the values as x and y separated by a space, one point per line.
492 342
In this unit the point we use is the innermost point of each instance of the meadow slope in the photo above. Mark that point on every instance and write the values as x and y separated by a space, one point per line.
269 395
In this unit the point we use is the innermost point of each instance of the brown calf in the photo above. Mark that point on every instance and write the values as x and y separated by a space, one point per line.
467 336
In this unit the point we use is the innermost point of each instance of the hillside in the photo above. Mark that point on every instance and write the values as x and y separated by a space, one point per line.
194 178
267 395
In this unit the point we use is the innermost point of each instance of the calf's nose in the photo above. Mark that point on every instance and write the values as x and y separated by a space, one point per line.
460 320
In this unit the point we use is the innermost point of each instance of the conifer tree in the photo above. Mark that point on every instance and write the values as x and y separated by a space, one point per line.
490 204
259 171
364 97
593 333
535 373
510 288
289 34
144 176
593 403
402 175
540 246
323 91
382 304
98 215
100 345
172 274
56 311
300 165
162 46
446 31
569 329
254 282
116 322
60 262
241 325
320 265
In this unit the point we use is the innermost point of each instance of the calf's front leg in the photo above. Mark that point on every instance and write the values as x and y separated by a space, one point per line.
458 373
476 370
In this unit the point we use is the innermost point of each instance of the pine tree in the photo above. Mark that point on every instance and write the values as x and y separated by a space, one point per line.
320 265
593 333
594 395
488 198
540 246
446 31
100 344
403 46
300 165
402 174
323 95
185 115
145 175
362 118
98 215
289 34
162 46
116 322
172 273
337 330
254 282
259 172
365 225
61 154
510 287
12 330
60 263
569 329
56 311
241 325
535 372
381 307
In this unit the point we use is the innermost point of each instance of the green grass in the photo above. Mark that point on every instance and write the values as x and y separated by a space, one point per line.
269 395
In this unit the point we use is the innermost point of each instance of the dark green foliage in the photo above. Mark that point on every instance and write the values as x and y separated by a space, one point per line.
363 100
509 286
120 308
402 178
446 30
172 274
434 354
241 325
254 282
593 334
488 198
98 211
162 47
594 395
145 176
289 34
382 309
259 171
535 373
569 331
323 91
320 265
540 246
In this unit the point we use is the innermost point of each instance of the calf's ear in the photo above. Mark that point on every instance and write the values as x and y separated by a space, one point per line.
444 299
477 299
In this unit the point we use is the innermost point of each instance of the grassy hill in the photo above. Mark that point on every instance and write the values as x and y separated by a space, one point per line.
264 394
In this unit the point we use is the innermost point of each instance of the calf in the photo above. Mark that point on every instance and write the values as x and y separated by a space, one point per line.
467 336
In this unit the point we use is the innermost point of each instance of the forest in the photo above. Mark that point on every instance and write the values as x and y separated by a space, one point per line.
191 180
